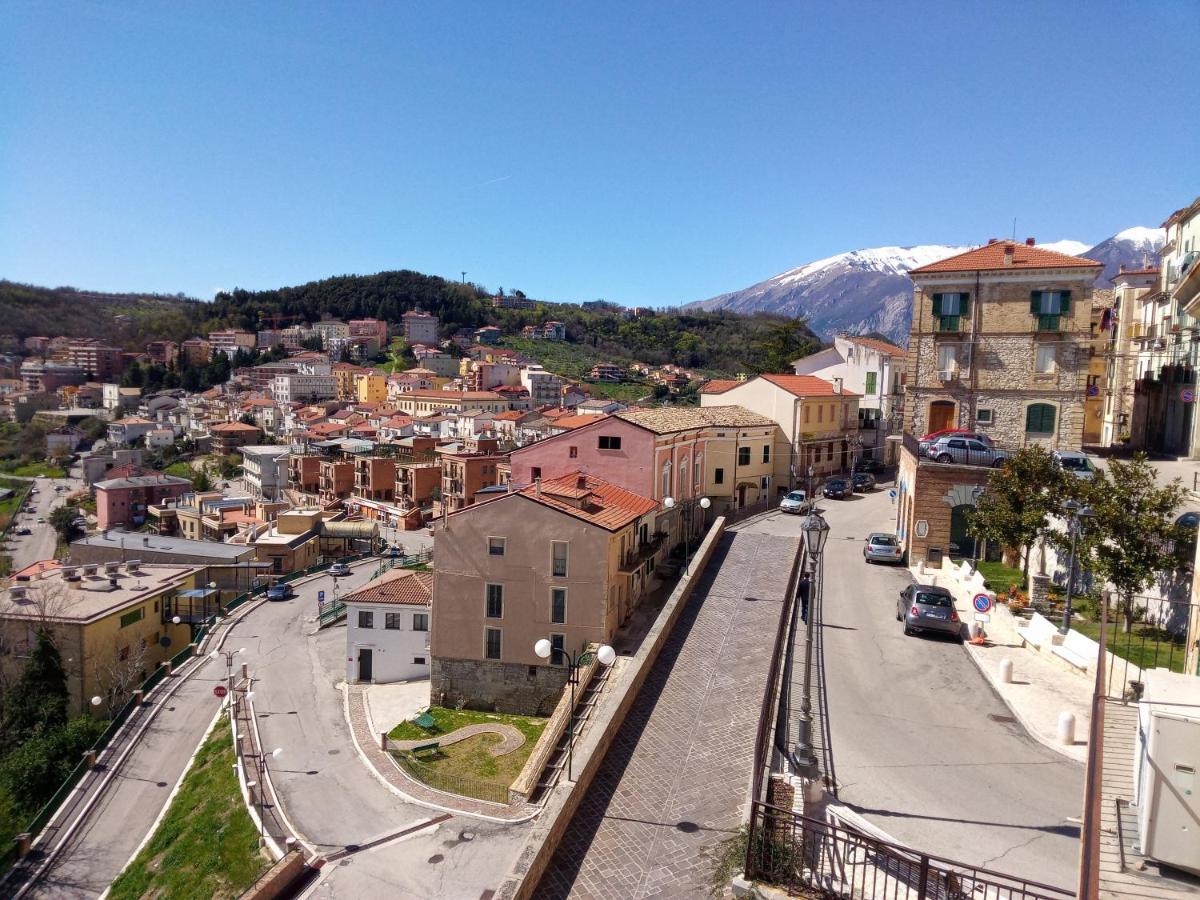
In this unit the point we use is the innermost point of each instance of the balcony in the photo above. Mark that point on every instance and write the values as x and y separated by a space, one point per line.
634 558
991 457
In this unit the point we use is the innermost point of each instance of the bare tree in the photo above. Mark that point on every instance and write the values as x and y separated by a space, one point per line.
120 674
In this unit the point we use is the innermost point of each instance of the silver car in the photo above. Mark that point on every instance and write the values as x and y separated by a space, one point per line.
1078 464
882 547
923 607
966 451
794 502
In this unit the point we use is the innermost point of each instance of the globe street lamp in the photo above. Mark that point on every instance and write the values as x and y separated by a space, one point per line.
1076 517
604 653
262 787
686 511
816 533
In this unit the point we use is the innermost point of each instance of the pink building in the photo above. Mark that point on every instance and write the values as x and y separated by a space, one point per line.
369 328
122 502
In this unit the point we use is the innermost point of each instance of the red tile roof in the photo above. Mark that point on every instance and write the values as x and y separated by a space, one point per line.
599 502
991 256
881 346
719 385
231 427
572 422
401 587
806 386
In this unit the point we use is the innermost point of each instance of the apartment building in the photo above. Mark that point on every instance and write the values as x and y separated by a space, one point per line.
419 327
373 329
375 478
818 420
304 474
264 469
1124 352
228 437
230 342
165 353
112 620
607 372
428 402
297 387
196 351
1096 392
467 468
1000 341
98 361
545 388
335 481
555 561
123 502
371 387
330 330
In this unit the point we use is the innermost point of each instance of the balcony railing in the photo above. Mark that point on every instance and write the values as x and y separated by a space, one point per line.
634 558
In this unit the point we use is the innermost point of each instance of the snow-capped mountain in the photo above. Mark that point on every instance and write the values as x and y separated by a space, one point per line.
869 290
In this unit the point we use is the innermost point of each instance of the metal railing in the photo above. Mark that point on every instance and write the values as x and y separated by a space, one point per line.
815 858
1144 633
463 785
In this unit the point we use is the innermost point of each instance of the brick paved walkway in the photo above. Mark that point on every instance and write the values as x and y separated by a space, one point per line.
510 738
674 785
387 769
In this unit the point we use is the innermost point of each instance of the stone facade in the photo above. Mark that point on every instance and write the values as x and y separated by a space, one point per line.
984 374
497 686
928 494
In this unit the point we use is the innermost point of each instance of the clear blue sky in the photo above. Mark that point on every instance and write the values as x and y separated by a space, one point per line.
648 153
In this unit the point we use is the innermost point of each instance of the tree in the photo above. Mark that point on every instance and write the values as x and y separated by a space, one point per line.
201 480
784 343
37 702
1013 511
1130 542
63 520
134 376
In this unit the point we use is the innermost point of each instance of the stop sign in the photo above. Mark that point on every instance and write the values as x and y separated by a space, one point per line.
220 690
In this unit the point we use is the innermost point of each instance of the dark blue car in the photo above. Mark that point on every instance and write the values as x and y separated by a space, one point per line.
279 592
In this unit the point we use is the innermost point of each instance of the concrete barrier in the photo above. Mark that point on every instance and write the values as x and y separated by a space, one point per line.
279 878
605 721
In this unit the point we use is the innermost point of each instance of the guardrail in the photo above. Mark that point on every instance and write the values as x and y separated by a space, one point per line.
815 858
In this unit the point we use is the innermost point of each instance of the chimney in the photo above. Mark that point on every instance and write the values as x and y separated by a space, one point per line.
837 384
993 241
1008 253
581 482
1029 242
537 487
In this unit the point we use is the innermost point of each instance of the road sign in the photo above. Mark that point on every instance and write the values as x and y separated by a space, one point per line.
1188 395
982 617
892 493
320 596
982 603
220 690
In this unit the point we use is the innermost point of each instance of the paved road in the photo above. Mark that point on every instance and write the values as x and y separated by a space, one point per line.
39 545
923 746
325 787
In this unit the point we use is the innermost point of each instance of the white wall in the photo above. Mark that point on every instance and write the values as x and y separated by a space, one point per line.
393 651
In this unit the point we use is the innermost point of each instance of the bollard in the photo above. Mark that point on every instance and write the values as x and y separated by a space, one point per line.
1006 671
1066 728
167 668
383 741
245 671
24 843
139 697
89 758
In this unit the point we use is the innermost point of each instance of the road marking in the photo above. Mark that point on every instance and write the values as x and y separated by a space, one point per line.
385 840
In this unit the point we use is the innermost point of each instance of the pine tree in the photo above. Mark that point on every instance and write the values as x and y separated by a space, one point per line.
37 704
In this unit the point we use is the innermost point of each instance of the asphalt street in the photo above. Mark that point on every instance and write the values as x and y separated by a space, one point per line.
326 789
40 544
924 748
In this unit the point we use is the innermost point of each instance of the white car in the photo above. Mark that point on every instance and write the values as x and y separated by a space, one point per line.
1078 464
795 502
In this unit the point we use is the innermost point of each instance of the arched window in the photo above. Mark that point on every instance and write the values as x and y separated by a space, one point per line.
683 481
666 480
1039 418
696 473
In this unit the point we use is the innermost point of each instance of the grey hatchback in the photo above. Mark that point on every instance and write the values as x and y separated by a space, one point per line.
882 547
923 607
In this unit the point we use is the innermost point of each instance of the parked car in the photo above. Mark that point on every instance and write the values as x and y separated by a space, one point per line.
882 547
966 451
795 502
837 489
41 520
24 531
863 481
923 607
339 570
34 491
1078 464
280 591
1188 520
873 466
934 436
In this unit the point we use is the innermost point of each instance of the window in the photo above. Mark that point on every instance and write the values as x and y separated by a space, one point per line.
821 413
420 621
491 643
666 479
870 387
131 617
366 619
949 309
1049 307
558 643
609 442
495 601
558 557
496 546
743 456
1039 418
947 357
558 606
984 416
391 621
418 660
828 451
573 452
696 469
807 414
766 453
535 473
718 476
1044 362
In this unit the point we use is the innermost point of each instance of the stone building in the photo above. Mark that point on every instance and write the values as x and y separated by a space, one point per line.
1000 344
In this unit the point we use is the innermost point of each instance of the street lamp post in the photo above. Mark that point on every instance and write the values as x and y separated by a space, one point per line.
1077 515
686 510
816 532
606 654
229 655
262 787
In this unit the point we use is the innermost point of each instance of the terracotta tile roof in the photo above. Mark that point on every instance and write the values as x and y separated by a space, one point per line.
667 419
591 499
572 422
991 256
881 346
230 427
510 415
401 587
719 385
806 385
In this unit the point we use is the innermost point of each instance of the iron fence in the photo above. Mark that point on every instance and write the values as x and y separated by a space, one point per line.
1145 633
810 857
463 785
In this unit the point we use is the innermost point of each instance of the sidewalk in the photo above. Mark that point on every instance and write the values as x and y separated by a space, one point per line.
1040 689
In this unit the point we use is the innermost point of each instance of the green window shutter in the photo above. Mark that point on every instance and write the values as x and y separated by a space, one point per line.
965 301
937 306
1035 302
1064 303
1039 418
870 388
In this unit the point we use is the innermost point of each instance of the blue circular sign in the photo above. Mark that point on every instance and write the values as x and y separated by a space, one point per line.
982 603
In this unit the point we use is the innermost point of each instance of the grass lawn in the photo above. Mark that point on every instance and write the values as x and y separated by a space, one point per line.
206 846
998 576
32 470
181 469
1147 646
470 758
12 504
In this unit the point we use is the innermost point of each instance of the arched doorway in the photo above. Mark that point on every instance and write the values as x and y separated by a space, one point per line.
962 542
941 415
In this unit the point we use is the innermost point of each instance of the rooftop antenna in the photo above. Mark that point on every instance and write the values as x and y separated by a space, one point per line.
464 277
1014 236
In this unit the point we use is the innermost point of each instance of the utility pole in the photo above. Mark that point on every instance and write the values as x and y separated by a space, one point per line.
464 277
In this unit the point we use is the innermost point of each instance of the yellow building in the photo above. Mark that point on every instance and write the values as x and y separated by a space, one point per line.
111 623
371 387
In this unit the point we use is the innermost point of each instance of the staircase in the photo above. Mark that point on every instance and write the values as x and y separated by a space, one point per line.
583 710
